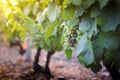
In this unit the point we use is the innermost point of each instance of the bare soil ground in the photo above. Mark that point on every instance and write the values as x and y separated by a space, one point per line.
14 67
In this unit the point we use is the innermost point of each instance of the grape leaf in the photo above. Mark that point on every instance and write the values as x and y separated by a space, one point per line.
49 31
8 12
67 14
76 2
68 1
112 57
109 22
95 67
52 11
109 40
85 51
68 53
14 2
95 11
108 58
98 52
27 9
79 11
72 22
103 3
35 8
51 28
87 3
88 25
40 17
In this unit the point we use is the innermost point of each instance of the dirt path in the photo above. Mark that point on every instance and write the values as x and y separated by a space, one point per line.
59 65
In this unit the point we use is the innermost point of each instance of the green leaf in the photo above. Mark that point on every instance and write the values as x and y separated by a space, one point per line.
72 22
27 9
7 12
30 25
48 42
76 2
67 14
98 52
88 25
111 20
52 11
68 53
79 11
42 44
49 31
64 4
95 67
112 57
40 17
103 3
35 8
85 51
87 3
108 40
108 58
68 1
95 11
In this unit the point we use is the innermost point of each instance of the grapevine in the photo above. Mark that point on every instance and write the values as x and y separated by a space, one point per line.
94 35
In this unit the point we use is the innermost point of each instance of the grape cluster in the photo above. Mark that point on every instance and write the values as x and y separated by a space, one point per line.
71 35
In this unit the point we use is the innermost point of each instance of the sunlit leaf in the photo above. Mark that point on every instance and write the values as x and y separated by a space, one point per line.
67 14
64 5
8 12
52 11
14 2
3 1
50 29
68 1
44 3
35 8
40 17
26 9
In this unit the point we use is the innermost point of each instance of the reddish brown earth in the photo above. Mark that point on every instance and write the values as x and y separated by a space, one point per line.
14 67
